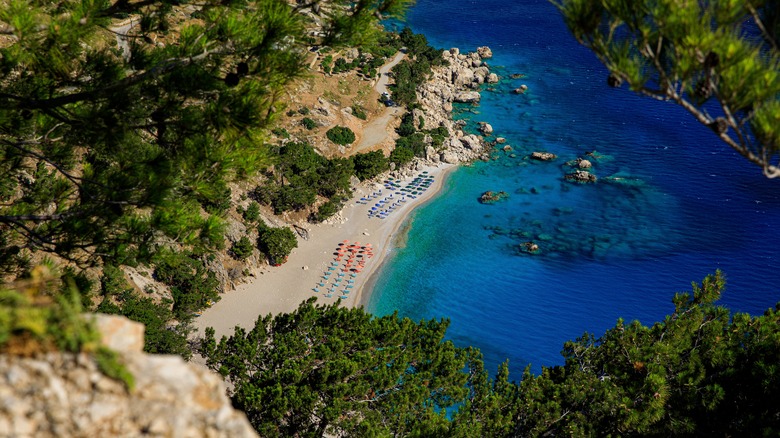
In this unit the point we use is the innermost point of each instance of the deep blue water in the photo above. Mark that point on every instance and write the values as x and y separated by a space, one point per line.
687 205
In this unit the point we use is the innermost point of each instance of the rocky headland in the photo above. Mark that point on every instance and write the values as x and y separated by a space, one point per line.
458 81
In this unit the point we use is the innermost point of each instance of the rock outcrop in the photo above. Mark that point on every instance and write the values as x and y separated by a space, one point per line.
66 395
457 82
543 156
581 176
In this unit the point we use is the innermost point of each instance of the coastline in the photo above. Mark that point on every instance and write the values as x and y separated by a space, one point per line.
307 271
372 274
281 289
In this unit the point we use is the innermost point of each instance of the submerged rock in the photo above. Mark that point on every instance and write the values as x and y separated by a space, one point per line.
529 247
491 197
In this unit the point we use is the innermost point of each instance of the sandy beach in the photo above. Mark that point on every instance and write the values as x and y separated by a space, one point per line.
281 289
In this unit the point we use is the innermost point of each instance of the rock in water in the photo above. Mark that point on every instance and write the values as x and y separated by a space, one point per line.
543 156
491 197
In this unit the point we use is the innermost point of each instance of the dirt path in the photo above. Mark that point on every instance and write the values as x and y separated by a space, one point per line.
378 131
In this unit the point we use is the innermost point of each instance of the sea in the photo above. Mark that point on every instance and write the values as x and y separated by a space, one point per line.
672 203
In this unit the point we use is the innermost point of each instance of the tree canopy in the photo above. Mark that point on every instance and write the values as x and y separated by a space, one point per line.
122 123
336 371
719 60
326 370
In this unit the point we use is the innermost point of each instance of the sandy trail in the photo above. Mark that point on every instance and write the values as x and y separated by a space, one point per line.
378 130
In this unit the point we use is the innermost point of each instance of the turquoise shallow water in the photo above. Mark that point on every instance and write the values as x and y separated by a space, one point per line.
685 205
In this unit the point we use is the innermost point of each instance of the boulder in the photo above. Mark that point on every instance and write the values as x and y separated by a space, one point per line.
484 52
467 97
66 395
500 140
449 157
543 156
529 247
521 90
430 153
581 176
492 78
472 142
485 128
584 164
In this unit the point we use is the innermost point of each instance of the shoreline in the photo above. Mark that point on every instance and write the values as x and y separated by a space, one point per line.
282 289
353 233
372 275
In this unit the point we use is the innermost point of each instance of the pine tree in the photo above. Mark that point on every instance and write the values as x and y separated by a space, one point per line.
719 60
122 123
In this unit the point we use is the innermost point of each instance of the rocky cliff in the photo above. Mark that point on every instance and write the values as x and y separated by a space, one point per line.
65 395
457 81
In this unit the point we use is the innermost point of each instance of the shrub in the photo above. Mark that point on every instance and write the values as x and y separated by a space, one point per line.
359 112
340 135
192 285
276 243
327 210
252 212
401 155
304 111
308 123
370 164
406 128
280 132
242 249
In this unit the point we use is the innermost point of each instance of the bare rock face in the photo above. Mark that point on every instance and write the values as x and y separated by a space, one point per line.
66 395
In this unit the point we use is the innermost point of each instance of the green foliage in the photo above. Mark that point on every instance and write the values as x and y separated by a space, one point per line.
369 165
252 212
333 371
242 249
327 210
410 74
276 243
32 322
308 123
340 135
106 152
304 111
359 112
406 128
327 64
41 317
719 60
302 176
281 132
108 363
192 285
401 155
